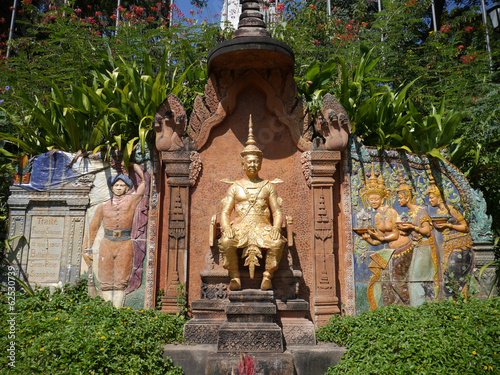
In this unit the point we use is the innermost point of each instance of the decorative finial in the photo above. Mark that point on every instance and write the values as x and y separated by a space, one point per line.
251 21
403 186
374 185
251 148
250 140
433 188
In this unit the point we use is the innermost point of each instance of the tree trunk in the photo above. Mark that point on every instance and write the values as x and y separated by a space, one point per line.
164 12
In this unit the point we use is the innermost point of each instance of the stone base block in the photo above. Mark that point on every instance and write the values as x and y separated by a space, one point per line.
265 363
250 337
298 331
203 331
192 358
315 360
307 360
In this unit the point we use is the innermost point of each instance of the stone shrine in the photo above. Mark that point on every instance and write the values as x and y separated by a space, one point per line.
48 225
314 225
56 216
363 228
252 76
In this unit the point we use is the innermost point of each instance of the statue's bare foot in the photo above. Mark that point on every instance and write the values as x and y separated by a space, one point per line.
235 284
266 284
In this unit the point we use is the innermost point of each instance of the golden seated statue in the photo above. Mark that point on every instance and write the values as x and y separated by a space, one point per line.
254 202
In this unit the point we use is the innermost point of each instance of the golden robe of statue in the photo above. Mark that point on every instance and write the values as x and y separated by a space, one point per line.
254 202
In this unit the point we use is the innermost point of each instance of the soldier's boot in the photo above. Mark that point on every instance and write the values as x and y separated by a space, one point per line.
235 283
118 298
273 258
230 263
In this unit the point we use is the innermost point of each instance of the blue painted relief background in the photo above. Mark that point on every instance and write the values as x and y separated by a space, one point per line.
414 222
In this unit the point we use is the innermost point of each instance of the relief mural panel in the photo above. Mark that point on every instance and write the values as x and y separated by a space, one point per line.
413 242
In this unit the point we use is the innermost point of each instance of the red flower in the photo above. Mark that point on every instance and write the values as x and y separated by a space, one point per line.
78 11
445 28
460 47
312 7
316 42
469 28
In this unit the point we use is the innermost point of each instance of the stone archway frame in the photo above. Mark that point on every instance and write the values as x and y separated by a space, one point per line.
274 104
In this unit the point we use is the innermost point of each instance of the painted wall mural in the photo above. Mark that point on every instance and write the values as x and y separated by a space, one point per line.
414 221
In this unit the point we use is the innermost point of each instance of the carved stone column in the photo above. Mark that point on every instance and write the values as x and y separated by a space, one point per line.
177 170
323 164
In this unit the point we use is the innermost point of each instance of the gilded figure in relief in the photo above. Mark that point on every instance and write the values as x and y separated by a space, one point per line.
390 266
457 254
257 223
423 268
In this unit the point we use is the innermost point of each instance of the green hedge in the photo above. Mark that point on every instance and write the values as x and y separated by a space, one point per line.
68 332
452 337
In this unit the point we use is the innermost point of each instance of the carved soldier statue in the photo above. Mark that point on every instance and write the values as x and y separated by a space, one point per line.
254 200
116 253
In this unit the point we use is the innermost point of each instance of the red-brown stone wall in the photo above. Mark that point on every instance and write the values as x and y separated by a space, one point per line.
221 159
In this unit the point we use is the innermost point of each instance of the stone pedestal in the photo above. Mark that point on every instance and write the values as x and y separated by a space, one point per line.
484 253
297 329
265 363
296 360
250 324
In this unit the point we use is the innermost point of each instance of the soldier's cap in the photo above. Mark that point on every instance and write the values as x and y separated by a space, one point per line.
112 180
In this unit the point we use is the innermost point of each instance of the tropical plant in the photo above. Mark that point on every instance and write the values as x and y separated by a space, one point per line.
115 112
8 271
316 83
433 133
379 115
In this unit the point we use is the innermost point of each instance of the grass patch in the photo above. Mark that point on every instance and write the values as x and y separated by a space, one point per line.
67 332
452 337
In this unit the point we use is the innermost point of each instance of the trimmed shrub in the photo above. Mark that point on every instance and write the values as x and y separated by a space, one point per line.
452 337
67 332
